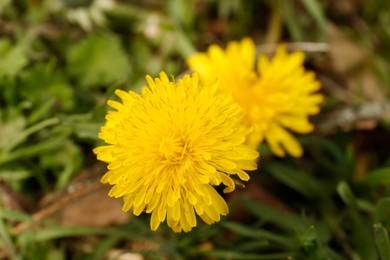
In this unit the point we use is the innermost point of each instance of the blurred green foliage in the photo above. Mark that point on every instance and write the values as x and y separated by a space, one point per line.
61 60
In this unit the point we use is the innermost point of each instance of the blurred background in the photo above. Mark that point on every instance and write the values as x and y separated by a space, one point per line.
61 60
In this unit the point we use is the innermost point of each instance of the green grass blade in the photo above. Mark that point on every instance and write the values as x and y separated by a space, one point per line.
297 180
14 215
315 9
257 233
291 21
61 232
382 241
346 194
284 219
224 254
31 130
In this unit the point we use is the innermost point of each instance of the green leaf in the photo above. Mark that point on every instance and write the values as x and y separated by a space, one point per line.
46 87
329 154
241 230
382 241
297 180
77 3
359 230
346 194
286 220
6 242
33 150
250 246
184 45
382 211
12 58
309 237
326 146
50 233
70 158
105 245
98 60
316 11
225 254
291 21
378 177
10 131
259 234
22 136
56 253
15 174
14 215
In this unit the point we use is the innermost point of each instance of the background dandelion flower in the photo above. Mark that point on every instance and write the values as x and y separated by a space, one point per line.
234 68
278 98
287 96
168 146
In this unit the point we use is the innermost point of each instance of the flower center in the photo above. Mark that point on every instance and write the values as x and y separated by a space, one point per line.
172 149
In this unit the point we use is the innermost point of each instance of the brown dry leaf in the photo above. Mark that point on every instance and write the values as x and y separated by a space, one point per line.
352 61
95 209
366 124
367 84
344 53
345 7
84 202
363 163
12 200
217 27
121 255
362 117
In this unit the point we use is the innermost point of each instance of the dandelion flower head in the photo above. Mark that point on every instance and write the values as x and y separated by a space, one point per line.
168 146
278 95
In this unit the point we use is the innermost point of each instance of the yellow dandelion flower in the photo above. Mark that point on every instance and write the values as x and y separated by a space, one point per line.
169 145
287 93
234 68
276 99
